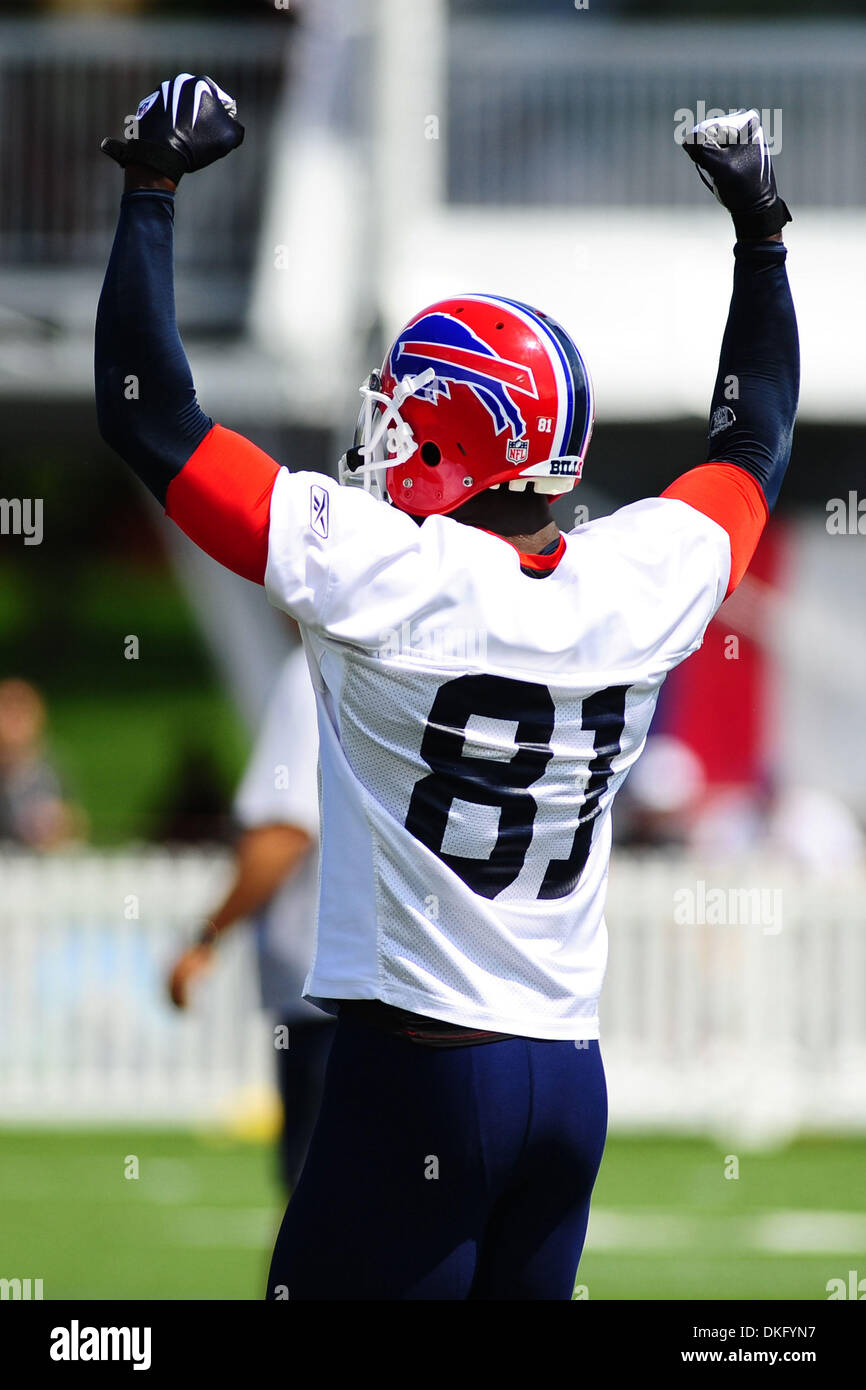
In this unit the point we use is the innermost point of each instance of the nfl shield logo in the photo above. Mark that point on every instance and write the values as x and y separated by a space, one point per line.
517 451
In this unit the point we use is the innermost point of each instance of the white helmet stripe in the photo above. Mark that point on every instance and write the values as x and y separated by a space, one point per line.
558 441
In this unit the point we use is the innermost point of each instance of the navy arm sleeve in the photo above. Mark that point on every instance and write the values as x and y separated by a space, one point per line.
145 397
755 397
215 484
753 408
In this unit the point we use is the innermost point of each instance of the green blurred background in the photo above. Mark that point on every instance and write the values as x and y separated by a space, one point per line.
120 730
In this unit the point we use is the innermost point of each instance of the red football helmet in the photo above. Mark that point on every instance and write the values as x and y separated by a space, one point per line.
476 391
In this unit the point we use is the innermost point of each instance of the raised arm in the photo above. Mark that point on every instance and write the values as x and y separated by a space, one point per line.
754 402
212 482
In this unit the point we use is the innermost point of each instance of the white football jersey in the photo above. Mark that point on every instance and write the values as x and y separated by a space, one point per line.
475 724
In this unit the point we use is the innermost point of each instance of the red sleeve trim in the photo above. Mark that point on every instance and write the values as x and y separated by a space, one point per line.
221 499
733 499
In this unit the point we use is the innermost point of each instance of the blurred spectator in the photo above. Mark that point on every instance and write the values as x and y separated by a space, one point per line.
731 820
275 885
667 803
816 829
661 795
33 810
194 809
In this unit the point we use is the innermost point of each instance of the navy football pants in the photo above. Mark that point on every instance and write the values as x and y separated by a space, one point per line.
300 1076
440 1173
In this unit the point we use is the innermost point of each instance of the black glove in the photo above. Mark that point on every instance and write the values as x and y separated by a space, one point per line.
734 162
185 125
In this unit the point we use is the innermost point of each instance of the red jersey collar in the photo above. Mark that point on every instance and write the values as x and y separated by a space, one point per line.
539 564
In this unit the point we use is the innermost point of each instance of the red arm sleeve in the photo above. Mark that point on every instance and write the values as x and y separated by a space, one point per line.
221 499
733 499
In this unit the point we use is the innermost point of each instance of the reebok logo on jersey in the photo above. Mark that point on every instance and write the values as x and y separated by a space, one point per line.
319 511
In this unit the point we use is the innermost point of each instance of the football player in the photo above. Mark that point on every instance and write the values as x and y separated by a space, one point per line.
484 684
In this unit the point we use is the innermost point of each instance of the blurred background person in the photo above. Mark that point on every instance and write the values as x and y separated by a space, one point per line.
668 805
34 811
660 796
274 886
815 828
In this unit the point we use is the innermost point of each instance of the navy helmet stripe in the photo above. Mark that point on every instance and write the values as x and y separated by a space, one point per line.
577 442
576 374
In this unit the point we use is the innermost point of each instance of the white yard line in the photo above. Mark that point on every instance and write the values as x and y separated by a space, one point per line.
783 1232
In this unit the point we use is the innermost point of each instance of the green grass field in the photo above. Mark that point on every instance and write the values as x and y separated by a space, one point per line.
199 1220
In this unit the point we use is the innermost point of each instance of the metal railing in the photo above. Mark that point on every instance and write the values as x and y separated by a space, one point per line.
539 111
573 111
64 85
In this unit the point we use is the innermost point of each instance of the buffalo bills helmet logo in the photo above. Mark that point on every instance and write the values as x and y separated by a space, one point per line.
458 355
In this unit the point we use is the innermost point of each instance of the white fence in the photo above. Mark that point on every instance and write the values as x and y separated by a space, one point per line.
72 82
86 1031
735 1000
750 1028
